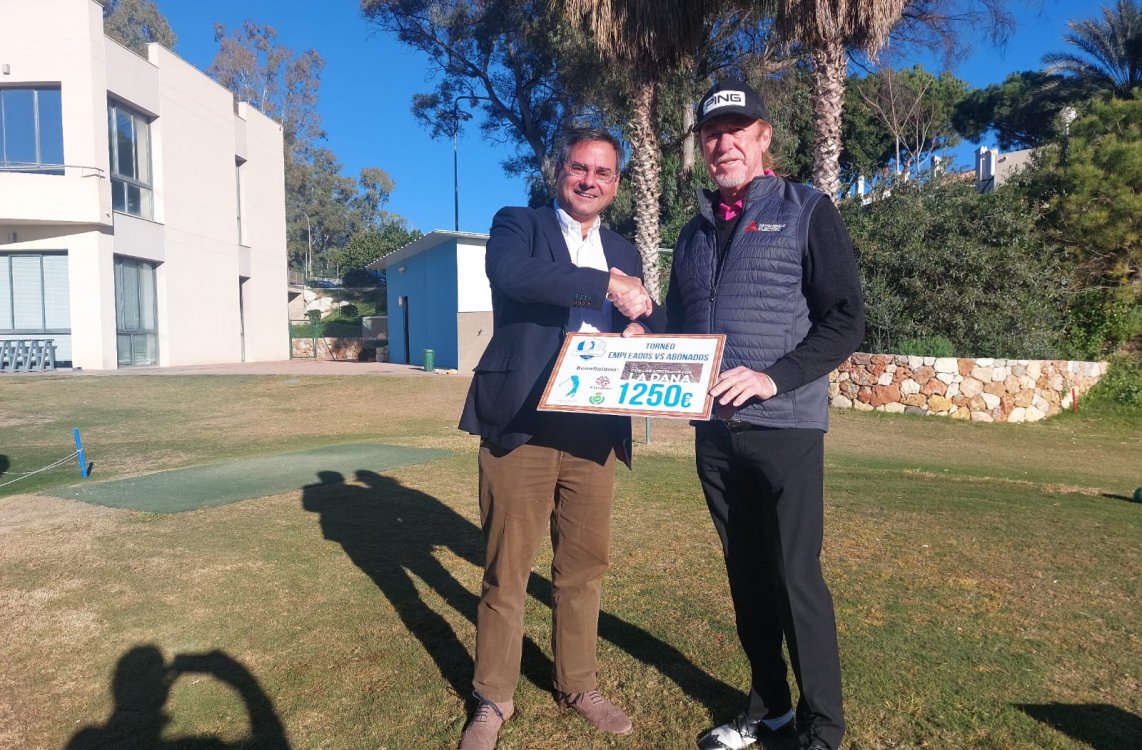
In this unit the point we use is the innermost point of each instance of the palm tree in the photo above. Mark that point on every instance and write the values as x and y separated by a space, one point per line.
648 38
651 37
827 28
1112 48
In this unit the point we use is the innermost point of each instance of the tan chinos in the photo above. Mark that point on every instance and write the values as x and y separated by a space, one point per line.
559 481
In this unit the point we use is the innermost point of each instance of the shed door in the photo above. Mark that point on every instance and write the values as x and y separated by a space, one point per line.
407 348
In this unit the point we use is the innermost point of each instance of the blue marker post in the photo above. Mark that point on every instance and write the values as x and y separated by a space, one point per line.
79 452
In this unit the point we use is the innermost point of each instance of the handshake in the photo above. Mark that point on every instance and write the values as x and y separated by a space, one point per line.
628 295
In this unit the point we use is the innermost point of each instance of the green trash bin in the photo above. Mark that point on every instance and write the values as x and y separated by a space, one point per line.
429 360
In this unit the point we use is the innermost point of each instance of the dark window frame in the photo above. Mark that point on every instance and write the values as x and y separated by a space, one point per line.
122 184
39 165
8 279
140 335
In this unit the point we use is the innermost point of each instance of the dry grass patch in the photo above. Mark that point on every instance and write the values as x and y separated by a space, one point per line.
966 585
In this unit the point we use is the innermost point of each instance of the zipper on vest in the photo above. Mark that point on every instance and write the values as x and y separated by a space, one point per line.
719 262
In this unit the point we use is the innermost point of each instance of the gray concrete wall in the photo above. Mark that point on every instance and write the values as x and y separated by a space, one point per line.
473 332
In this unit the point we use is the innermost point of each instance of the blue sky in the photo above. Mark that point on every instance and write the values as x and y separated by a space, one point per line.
369 80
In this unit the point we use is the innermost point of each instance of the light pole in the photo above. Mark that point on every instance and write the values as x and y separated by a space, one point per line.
457 115
309 244
305 287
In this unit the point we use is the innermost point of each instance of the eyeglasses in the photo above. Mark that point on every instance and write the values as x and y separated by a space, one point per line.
602 174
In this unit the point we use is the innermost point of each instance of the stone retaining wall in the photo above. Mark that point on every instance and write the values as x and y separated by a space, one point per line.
982 390
327 348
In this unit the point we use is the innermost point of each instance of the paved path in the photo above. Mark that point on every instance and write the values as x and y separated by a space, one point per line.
282 367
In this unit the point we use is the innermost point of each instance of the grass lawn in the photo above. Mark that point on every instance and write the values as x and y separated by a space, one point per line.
986 578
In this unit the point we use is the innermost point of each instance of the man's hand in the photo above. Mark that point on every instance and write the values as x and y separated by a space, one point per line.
628 295
634 328
736 386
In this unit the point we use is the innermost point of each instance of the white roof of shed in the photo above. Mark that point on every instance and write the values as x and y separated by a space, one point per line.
429 241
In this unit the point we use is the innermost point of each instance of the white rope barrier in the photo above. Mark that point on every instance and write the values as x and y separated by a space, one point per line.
26 474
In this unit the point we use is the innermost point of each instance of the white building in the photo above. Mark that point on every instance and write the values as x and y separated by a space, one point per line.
142 212
992 168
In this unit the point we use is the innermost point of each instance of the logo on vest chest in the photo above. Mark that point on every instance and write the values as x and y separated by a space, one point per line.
755 227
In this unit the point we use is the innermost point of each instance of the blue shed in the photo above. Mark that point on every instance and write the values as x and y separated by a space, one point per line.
439 299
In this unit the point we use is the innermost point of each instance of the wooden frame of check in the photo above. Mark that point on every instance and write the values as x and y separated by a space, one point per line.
652 376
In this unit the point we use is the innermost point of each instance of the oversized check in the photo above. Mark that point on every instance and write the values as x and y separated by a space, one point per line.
654 376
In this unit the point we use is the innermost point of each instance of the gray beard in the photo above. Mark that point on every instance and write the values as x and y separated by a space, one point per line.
729 181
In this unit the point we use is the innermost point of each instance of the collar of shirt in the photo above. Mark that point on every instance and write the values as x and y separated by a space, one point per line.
727 211
571 227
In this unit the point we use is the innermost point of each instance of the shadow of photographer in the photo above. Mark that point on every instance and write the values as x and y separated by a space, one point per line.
1102 726
141 686
391 532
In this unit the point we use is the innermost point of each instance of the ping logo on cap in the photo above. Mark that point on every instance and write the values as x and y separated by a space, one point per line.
724 99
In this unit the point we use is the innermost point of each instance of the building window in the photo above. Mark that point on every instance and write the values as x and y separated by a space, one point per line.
129 136
34 299
135 318
31 130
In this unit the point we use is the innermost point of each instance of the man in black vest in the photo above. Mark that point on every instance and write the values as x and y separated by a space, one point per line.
769 263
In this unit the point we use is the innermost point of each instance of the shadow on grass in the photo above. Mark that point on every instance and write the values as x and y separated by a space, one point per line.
141 686
1111 496
1102 726
716 696
390 532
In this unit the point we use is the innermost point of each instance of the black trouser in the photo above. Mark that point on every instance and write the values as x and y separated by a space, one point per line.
764 488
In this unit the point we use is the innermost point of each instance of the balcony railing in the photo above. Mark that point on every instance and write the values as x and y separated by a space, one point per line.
53 194
70 170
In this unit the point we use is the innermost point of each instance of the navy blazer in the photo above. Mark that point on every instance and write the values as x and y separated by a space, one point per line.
534 286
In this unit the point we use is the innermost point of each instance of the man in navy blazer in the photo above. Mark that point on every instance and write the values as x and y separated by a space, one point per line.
552 270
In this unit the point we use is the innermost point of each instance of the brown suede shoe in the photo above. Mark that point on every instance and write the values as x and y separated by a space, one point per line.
600 712
484 729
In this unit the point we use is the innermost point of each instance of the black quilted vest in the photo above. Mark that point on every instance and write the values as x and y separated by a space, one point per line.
755 297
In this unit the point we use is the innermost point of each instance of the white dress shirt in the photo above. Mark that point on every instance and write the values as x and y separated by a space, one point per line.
586 252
